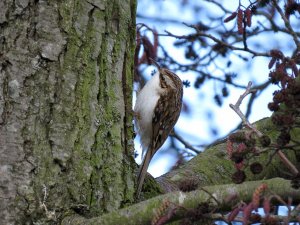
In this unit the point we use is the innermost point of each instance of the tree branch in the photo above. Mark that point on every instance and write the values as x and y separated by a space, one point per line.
144 212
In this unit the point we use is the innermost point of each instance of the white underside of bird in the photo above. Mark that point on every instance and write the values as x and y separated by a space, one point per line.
144 110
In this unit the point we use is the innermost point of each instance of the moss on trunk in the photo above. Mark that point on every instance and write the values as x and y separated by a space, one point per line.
71 63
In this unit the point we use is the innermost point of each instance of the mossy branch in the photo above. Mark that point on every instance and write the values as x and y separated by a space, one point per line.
144 212
213 166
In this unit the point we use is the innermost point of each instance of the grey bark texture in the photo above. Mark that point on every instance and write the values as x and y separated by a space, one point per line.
65 108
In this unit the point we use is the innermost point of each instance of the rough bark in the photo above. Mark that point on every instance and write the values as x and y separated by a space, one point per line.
65 105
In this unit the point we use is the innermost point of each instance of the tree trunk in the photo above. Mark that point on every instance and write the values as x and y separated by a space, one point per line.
65 108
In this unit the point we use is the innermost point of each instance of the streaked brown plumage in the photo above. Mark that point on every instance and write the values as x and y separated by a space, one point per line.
157 110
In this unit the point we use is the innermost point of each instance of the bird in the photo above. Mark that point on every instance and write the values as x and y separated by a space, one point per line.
156 111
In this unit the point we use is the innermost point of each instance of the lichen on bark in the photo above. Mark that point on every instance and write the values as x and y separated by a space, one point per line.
66 82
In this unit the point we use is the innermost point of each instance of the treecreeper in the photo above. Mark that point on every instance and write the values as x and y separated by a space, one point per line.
156 112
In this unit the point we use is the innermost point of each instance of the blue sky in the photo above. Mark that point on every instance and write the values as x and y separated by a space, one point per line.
195 126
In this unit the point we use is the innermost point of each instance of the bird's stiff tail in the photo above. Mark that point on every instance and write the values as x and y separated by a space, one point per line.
142 172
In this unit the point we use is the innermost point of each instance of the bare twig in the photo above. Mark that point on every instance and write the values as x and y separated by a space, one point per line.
220 5
238 111
194 67
287 24
211 195
287 162
203 34
185 143
246 123
259 89
159 20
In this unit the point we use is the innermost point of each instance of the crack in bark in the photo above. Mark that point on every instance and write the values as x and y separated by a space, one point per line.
125 96
6 105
